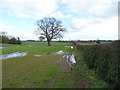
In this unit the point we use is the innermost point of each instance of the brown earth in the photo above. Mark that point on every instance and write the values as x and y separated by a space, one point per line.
79 74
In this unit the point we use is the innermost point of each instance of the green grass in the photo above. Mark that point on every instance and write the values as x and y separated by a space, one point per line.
35 47
87 43
35 72
94 43
45 71
27 71
105 42
91 78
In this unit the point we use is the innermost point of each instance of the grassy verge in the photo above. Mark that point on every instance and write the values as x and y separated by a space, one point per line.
89 76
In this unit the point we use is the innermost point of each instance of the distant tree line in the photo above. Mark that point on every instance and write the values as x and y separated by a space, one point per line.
9 39
75 41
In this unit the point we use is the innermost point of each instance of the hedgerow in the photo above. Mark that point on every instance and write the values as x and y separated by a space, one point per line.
104 59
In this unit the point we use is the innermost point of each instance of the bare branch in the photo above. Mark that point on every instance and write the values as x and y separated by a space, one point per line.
50 28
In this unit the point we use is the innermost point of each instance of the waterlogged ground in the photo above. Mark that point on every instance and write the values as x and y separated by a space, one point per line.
35 72
44 67
35 48
17 54
12 55
31 71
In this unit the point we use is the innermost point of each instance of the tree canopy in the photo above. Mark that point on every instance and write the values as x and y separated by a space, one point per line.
50 28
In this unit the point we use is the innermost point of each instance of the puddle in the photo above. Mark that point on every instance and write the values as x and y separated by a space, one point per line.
72 59
60 52
16 54
69 58
1 47
37 55
71 47
64 56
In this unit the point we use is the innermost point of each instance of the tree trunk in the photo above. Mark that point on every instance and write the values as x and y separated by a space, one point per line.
48 42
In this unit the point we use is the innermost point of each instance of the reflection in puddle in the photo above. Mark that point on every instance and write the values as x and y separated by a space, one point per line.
1 47
16 54
72 58
60 52
71 47
37 55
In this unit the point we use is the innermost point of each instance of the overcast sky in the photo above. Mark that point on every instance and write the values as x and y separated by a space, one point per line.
84 19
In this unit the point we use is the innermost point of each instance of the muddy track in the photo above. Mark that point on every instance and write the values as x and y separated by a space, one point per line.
63 64
80 82
79 74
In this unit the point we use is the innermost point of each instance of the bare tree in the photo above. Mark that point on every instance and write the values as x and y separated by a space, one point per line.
50 28
41 38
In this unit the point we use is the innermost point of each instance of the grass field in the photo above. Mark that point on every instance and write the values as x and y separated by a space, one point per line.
35 72
94 43
47 71
34 47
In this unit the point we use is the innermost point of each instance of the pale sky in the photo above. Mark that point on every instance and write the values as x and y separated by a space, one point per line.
84 19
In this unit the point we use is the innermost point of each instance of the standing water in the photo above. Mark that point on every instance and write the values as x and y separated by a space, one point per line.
60 52
16 54
1 47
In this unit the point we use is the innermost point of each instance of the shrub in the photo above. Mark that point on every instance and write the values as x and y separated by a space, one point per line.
12 40
98 41
18 41
104 59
